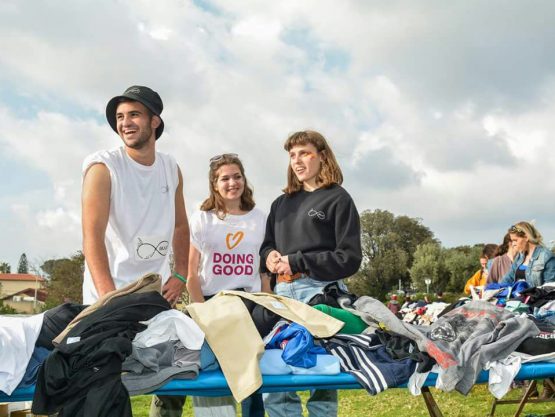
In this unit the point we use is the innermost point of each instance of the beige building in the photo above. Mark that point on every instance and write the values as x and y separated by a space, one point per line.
28 301
12 283
23 292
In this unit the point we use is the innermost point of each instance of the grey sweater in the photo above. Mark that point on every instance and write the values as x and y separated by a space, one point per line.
461 341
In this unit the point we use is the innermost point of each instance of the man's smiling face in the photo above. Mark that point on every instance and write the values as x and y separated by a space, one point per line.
135 124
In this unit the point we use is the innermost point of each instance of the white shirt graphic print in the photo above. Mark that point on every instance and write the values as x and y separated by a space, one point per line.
229 250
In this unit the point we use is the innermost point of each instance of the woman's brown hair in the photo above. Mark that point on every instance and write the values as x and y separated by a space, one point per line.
329 174
215 201
503 248
489 250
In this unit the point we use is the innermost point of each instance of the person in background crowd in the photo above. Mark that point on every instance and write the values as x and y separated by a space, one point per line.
312 239
533 262
226 235
502 261
489 252
479 279
393 304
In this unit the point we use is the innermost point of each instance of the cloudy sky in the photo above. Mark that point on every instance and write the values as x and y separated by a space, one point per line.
442 110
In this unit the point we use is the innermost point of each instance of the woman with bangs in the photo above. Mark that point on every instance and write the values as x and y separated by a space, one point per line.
312 239
534 262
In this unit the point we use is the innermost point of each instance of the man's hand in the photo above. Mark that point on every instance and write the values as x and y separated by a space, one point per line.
272 261
283 267
172 290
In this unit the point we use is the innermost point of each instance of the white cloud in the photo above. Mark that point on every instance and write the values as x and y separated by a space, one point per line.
438 110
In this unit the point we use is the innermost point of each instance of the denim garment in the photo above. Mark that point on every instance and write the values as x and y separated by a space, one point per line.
303 289
253 406
322 403
541 268
38 357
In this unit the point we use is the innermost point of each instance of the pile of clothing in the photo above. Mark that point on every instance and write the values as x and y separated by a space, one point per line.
93 357
422 313
131 342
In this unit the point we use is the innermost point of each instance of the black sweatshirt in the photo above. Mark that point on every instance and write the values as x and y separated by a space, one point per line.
318 230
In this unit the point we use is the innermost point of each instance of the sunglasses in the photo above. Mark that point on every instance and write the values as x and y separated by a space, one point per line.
516 229
218 158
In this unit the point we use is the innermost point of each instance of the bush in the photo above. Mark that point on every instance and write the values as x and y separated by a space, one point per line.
6 309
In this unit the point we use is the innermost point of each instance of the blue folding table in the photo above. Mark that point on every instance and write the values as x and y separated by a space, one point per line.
213 384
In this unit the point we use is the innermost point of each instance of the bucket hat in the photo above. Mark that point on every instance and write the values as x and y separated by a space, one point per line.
144 95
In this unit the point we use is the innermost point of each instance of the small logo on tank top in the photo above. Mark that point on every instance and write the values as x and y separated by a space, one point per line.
148 250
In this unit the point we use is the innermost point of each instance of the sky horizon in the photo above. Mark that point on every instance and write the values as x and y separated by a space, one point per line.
436 110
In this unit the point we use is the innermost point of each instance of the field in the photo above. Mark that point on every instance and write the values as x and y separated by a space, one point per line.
399 403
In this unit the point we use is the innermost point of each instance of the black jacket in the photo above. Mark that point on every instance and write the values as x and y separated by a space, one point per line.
81 377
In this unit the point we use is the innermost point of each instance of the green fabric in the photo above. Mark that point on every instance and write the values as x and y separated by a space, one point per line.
353 323
517 307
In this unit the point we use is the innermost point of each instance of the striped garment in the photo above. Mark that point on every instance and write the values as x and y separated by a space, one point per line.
365 358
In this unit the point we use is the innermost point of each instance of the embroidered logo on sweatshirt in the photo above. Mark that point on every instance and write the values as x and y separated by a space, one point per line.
320 214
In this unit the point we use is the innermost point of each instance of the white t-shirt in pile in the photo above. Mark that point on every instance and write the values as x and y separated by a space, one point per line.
142 217
229 250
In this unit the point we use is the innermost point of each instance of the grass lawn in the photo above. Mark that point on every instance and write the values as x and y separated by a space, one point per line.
399 403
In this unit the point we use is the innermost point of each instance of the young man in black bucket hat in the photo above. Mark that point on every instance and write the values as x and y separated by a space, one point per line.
133 204
134 211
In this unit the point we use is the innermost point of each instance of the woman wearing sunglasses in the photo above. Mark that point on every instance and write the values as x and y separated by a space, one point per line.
534 262
226 235
312 239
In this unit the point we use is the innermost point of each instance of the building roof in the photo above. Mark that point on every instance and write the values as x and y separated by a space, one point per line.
29 292
21 277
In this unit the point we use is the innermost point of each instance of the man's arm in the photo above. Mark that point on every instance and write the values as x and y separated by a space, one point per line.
193 281
95 201
174 287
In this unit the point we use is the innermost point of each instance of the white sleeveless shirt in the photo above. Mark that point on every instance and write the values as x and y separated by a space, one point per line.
142 217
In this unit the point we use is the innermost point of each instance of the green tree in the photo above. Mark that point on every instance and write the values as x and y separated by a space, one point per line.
449 269
461 262
6 309
23 266
5 268
388 246
429 263
66 279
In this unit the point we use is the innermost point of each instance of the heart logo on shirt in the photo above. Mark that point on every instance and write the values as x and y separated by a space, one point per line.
232 240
